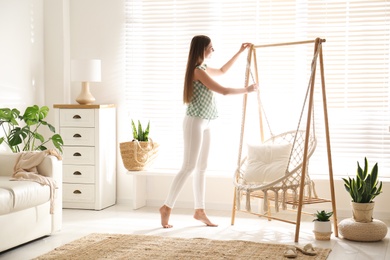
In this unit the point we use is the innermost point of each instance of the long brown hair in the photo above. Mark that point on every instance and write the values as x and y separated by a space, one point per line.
195 58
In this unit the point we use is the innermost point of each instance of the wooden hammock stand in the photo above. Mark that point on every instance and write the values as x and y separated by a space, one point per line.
302 199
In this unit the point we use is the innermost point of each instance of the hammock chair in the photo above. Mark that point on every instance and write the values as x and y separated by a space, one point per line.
288 155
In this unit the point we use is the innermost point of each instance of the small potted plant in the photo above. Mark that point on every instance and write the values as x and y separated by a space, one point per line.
138 154
363 189
322 225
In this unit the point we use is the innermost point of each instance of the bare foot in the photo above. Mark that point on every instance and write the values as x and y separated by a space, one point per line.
165 212
201 216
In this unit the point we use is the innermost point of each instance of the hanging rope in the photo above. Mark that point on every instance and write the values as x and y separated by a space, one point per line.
261 105
313 69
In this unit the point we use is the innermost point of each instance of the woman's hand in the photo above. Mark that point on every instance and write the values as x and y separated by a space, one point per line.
244 46
226 67
252 88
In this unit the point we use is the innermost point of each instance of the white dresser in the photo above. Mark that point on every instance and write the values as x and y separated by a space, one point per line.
89 155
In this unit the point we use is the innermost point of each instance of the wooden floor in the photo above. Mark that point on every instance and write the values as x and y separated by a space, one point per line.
122 219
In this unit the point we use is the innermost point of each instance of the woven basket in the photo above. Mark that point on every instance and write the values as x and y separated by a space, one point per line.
138 156
322 236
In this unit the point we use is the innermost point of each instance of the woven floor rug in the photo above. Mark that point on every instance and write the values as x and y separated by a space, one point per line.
116 246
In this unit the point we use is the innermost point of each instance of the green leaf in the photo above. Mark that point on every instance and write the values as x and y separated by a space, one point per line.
146 132
365 168
9 116
52 128
135 135
17 135
57 142
38 137
374 175
140 132
31 115
360 173
41 148
42 113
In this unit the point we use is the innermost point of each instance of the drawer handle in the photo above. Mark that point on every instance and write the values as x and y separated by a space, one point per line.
76 192
76 117
77 173
77 135
77 154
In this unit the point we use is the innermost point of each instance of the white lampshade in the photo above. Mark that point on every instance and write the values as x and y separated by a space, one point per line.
85 71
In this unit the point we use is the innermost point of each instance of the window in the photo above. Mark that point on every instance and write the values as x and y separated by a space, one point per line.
356 61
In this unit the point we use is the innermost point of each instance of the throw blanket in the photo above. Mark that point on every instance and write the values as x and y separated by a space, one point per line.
25 169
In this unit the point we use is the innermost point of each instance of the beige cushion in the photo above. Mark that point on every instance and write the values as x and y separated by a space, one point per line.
364 232
266 163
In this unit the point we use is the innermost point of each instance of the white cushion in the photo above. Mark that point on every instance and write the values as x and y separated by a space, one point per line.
266 163
25 194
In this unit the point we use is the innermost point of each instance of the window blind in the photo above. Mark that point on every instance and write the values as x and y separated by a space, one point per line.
356 62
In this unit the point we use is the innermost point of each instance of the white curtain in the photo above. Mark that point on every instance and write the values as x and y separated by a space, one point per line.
356 61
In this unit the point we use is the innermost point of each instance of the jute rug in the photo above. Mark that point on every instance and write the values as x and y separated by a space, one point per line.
115 246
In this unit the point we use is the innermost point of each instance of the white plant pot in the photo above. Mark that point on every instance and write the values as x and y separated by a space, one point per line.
322 229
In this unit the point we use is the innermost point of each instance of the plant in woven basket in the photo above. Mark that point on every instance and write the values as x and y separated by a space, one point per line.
139 154
365 186
363 189
322 225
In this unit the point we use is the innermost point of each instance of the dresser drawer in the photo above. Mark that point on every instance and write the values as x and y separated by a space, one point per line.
77 117
79 173
78 192
78 136
78 155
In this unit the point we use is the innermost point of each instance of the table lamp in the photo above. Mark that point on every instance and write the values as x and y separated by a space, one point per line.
85 71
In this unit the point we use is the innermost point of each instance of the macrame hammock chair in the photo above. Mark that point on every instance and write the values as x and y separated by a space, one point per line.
294 187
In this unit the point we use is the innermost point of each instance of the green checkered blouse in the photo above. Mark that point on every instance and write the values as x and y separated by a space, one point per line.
203 102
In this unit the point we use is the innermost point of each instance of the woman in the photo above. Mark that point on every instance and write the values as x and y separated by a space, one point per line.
201 109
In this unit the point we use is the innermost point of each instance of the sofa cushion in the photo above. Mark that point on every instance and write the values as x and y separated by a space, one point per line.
25 194
6 201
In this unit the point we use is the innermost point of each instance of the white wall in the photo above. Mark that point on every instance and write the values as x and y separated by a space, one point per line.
75 29
21 52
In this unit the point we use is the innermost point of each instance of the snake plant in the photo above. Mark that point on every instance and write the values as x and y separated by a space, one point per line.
365 186
139 133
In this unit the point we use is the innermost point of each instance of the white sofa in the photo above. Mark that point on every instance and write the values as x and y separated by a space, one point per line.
25 205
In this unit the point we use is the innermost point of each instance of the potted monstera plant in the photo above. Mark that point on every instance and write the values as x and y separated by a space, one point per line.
140 153
363 189
22 132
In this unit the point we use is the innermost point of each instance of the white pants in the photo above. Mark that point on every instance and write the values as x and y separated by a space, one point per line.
196 132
